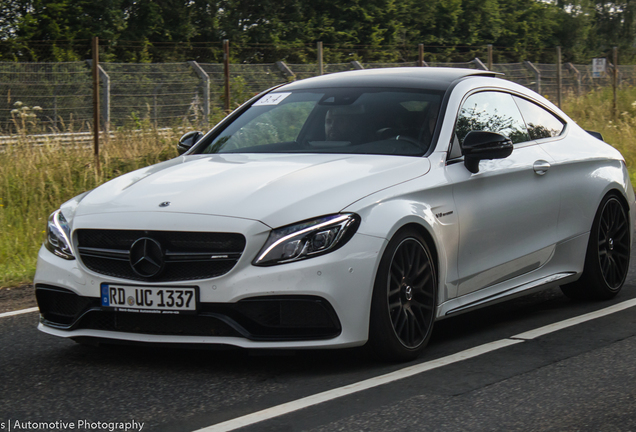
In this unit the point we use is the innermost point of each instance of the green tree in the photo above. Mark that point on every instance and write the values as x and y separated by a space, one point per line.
528 30
271 30
575 20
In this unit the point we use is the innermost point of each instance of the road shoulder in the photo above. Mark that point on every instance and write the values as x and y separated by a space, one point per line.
17 298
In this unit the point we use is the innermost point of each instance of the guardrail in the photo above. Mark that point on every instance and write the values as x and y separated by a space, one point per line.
66 138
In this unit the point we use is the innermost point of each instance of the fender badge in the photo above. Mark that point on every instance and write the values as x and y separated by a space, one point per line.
441 215
164 204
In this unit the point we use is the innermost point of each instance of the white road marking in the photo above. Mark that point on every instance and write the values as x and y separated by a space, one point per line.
532 334
18 312
308 401
328 395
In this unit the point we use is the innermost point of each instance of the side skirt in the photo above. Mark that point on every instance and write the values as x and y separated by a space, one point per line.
455 306
565 266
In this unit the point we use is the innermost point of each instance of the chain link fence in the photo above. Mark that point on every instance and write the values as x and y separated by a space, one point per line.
57 97
47 94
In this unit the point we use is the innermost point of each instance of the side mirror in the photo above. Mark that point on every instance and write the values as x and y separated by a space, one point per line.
187 141
479 145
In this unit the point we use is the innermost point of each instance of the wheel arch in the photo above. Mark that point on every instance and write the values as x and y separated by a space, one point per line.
433 238
389 339
625 195
598 280
385 218
430 241
620 195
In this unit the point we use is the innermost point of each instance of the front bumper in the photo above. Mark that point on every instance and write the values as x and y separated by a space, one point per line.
319 302
266 318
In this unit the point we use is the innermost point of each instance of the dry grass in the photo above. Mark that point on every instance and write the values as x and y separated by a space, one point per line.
594 111
35 180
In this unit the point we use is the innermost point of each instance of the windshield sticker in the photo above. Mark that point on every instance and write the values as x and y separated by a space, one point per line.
271 99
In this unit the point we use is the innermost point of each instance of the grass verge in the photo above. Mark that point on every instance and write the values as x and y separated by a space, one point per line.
594 111
35 180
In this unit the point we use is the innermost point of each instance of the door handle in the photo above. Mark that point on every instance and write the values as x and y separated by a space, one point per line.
541 167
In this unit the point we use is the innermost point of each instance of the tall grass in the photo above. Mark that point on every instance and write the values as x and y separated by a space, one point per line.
35 180
594 111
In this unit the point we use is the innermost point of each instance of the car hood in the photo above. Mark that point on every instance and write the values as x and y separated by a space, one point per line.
276 189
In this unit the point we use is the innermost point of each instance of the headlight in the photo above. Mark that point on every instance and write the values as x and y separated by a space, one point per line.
307 239
58 236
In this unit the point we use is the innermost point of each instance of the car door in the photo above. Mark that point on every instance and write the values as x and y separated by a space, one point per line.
574 158
507 211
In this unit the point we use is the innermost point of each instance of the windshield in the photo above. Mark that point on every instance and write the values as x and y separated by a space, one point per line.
360 121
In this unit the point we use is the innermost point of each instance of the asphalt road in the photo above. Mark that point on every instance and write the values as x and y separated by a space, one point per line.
582 378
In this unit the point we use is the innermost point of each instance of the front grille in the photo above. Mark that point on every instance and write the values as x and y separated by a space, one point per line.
186 255
258 318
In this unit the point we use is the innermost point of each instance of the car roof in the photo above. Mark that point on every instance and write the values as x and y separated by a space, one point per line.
431 78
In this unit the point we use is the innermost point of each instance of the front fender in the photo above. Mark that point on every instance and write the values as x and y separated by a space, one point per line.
431 210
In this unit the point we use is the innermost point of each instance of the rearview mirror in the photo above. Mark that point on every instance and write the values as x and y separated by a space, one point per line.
479 145
188 140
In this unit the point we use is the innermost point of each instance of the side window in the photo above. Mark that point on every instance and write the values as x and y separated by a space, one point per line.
491 112
541 123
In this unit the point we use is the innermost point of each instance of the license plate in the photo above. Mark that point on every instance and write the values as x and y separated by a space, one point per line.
127 298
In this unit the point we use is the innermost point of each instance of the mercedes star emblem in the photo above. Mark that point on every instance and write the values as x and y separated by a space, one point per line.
146 257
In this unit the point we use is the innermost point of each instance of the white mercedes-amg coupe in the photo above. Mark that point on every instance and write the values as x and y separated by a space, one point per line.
352 208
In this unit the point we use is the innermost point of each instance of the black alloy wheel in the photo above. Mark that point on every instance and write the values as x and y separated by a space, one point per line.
607 256
613 244
404 298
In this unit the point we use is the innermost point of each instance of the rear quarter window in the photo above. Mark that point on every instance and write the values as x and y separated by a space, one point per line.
541 123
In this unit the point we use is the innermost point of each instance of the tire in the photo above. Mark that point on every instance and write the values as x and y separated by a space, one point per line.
404 298
607 255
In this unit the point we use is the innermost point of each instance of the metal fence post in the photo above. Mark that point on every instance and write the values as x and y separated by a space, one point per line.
226 71
577 74
356 65
95 67
537 75
558 71
615 79
321 70
55 91
205 89
105 98
479 64
286 71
